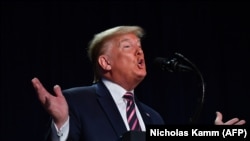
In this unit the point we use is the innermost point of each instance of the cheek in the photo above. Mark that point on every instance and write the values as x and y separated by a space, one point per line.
127 60
123 58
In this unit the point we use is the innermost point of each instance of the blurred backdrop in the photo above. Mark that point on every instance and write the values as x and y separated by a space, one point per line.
48 40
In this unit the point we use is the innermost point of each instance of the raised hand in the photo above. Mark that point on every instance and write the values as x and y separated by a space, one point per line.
233 121
56 105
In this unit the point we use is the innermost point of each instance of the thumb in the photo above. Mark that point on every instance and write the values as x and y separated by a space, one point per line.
57 90
218 119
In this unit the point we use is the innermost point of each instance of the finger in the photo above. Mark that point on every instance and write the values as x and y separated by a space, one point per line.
57 90
232 121
218 119
241 122
36 83
41 91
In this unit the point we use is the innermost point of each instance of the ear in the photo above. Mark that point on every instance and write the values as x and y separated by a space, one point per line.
104 62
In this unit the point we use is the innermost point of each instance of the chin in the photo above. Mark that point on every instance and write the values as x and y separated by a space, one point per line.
142 76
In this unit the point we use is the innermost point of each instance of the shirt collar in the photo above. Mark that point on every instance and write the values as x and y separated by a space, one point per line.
115 90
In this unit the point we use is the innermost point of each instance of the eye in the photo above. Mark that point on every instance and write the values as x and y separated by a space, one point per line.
127 46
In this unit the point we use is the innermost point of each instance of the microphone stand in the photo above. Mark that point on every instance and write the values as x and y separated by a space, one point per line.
198 110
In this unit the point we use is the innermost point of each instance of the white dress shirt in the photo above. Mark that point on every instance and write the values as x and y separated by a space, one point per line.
117 93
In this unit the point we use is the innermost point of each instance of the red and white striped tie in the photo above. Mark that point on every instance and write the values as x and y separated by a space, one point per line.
131 113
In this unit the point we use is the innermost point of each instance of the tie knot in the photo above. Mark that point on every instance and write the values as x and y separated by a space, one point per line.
128 96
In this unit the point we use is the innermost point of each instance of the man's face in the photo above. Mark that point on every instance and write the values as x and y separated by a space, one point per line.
127 59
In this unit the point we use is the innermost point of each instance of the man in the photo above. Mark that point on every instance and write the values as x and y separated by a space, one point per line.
98 112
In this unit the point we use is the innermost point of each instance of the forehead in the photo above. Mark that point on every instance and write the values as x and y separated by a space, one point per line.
119 39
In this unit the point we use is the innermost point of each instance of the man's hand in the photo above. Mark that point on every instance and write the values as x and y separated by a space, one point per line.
233 121
56 105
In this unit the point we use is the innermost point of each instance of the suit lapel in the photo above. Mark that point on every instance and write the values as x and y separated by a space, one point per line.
107 103
145 115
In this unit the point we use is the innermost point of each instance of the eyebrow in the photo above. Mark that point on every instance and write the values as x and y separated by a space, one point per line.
123 40
126 39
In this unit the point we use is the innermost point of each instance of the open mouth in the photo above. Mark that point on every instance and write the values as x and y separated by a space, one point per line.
141 63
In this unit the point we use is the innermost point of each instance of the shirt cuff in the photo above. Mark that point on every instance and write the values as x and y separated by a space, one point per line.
60 134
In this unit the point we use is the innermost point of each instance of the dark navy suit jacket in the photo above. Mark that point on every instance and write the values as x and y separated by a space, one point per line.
94 115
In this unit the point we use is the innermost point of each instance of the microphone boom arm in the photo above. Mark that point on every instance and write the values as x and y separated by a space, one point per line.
196 115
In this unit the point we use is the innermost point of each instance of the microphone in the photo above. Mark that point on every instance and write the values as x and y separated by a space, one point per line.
175 65
171 65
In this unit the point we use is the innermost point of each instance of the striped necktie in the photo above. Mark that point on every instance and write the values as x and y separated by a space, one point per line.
131 113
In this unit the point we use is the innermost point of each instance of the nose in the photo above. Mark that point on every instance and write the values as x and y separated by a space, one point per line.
139 51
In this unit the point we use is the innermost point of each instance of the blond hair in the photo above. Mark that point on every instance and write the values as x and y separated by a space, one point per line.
96 45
